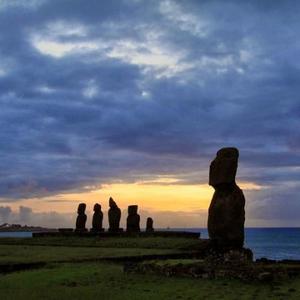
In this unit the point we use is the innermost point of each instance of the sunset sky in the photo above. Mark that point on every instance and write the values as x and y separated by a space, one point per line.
132 99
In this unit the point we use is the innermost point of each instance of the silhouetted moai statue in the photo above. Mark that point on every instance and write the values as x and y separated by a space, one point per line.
114 216
149 225
133 219
81 218
97 219
226 215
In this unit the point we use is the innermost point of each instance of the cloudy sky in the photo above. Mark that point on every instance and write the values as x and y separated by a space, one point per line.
132 99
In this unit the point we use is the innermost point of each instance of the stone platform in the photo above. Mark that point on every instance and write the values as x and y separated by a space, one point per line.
263 271
69 232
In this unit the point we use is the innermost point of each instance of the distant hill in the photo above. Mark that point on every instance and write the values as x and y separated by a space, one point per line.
19 227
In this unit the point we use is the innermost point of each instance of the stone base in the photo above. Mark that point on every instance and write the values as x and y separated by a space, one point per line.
83 230
203 269
229 256
120 230
92 230
121 233
63 230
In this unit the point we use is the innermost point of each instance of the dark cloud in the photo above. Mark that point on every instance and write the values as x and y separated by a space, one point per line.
94 93
277 206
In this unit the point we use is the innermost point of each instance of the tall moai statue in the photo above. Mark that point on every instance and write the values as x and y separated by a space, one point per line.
81 218
97 219
226 215
149 225
133 219
114 216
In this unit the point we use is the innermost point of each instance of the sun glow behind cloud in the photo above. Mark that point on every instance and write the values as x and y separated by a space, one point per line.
161 194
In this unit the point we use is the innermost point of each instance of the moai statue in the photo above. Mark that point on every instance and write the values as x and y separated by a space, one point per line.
114 216
97 219
149 225
81 218
226 215
133 219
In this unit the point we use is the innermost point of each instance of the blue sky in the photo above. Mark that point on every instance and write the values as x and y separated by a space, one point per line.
95 92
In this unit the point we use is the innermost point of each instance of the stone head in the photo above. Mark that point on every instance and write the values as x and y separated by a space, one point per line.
223 168
132 210
81 208
97 207
149 222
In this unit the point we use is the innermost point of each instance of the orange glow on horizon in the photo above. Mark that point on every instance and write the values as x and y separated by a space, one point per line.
163 194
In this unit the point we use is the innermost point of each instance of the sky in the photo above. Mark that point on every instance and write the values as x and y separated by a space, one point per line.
132 99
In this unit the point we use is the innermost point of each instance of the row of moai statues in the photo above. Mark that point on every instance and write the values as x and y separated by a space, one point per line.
226 215
114 217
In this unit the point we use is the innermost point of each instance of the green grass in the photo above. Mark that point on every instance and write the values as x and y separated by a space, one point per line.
110 242
107 281
95 279
27 254
53 249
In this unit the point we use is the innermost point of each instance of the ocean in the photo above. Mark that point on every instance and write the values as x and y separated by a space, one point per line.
15 234
273 243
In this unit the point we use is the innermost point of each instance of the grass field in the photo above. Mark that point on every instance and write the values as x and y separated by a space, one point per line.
103 280
107 281
28 254
111 242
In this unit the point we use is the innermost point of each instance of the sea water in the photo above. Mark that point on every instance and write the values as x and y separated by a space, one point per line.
273 243
16 234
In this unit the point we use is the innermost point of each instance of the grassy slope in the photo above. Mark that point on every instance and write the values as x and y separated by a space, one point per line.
76 248
107 281
27 254
111 242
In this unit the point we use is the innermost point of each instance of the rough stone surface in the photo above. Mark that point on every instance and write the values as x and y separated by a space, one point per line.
226 215
133 219
149 225
233 257
97 219
203 269
81 218
114 216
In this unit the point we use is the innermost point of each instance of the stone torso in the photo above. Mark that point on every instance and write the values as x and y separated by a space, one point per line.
97 221
114 216
227 217
133 219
